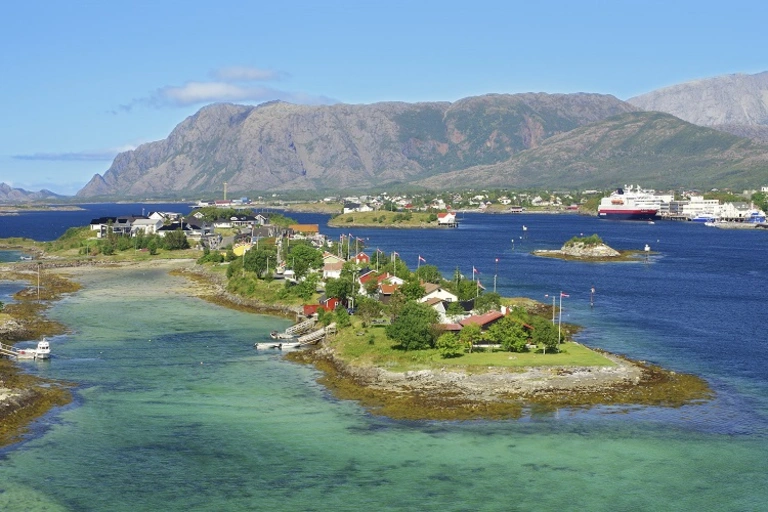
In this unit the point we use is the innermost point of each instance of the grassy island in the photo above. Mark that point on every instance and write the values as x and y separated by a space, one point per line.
591 249
385 219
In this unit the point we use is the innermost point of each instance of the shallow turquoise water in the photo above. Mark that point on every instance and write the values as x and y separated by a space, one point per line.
176 411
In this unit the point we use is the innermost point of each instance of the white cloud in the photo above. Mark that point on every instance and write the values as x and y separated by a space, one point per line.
230 84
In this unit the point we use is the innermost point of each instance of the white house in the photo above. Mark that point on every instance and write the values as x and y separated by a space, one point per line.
332 270
146 226
446 219
435 291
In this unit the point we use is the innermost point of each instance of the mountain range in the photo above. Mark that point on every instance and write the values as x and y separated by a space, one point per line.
9 194
706 133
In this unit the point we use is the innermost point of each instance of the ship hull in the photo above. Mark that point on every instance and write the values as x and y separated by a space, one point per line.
639 214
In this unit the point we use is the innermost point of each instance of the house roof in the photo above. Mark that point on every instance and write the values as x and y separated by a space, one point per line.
482 320
449 327
388 289
433 301
430 287
444 215
305 228
333 266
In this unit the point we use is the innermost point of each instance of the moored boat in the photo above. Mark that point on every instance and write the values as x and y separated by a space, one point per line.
41 351
629 203
277 346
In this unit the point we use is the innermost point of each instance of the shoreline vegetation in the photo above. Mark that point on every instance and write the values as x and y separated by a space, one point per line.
591 249
396 383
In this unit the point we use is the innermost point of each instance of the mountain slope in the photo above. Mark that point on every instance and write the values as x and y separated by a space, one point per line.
19 195
280 146
732 103
648 147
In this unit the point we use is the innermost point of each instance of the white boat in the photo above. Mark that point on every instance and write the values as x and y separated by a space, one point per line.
277 335
629 203
42 351
287 345
704 217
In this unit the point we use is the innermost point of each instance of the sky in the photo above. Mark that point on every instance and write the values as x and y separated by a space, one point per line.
81 81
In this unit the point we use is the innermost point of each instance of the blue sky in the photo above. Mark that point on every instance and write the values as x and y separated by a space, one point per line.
84 80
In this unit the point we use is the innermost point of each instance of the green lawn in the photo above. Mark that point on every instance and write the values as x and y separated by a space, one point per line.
353 345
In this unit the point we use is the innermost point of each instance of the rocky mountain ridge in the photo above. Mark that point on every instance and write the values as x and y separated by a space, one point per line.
10 195
518 140
280 146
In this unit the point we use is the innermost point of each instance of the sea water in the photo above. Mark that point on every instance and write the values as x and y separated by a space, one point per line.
175 410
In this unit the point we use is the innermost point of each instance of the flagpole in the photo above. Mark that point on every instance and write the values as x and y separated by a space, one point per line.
560 317
418 263
495 273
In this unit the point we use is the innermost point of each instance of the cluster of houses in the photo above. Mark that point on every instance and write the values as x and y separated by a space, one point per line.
201 232
386 284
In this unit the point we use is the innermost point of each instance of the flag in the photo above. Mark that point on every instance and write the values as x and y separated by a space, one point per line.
396 253
475 271
422 259
564 294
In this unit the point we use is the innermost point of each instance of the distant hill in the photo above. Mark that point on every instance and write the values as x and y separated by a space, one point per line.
521 140
280 146
10 195
651 148
733 103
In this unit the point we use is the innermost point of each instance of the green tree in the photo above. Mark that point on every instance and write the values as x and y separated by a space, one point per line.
413 327
470 335
429 274
258 260
509 333
449 345
152 246
487 302
454 309
761 200
175 240
368 309
342 317
544 333
340 288
412 290
303 257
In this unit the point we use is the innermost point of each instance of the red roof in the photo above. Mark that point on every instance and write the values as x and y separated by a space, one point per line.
388 289
311 309
449 327
482 320
443 215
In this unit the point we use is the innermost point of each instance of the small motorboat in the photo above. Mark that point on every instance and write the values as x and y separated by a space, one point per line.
42 351
277 346
277 335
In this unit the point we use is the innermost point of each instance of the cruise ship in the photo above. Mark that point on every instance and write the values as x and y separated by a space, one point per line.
629 203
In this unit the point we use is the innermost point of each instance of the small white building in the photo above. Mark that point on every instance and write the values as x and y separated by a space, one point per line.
446 219
435 291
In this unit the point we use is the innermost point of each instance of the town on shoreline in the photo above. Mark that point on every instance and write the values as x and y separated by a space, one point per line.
471 346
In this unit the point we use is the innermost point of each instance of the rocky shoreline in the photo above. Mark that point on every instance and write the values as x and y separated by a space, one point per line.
499 393
426 394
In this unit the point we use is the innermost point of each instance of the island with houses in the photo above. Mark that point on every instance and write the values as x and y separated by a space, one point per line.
408 343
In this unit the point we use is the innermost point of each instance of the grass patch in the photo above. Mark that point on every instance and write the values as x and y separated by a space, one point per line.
354 346
386 219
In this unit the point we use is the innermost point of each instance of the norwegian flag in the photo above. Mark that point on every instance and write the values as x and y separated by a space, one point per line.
564 294
422 259
475 271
